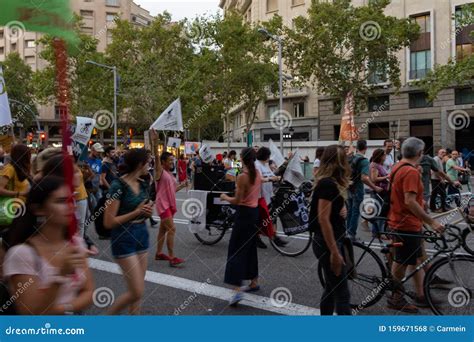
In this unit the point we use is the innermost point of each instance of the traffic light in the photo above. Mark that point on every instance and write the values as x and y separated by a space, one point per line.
29 138
42 136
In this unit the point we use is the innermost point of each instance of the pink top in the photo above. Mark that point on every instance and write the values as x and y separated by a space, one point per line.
23 259
250 199
166 193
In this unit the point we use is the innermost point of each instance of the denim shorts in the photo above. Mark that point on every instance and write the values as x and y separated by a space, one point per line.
129 239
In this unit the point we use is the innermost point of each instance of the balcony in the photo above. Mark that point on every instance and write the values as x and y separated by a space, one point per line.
289 93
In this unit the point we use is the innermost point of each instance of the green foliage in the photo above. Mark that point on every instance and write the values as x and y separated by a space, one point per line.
18 80
338 45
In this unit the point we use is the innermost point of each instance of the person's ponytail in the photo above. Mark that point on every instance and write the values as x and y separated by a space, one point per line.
248 158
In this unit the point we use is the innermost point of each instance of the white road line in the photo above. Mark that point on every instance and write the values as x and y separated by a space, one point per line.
213 291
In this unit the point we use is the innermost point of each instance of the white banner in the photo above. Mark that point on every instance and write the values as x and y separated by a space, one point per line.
5 113
171 119
174 142
276 155
293 173
84 129
206 154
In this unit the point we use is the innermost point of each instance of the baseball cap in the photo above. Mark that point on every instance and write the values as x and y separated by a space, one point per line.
98 147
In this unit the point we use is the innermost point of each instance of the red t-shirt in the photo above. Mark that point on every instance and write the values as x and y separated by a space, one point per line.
408 179
181 170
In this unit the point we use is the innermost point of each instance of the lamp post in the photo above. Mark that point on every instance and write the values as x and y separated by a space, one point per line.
114 70
280 73
292 130
394 126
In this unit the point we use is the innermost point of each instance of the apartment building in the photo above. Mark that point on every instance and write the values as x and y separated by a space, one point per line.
98 19
317 117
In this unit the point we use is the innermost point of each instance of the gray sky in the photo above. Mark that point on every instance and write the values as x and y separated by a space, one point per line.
180 9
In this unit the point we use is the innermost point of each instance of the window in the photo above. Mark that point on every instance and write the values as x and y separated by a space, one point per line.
110 17
419 100
58 110
297 2
464 96
464 43
379 131
420 50
337 132
337 106
13 47
298 110
2 50
87 14
87 30
379 103
30 59
272 5
30 43
377 74
115 3
270 110
1 34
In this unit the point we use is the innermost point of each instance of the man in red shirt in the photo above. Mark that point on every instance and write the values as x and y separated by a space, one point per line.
406 216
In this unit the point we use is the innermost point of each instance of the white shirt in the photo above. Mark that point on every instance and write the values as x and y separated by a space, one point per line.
317 163
388 163
267 187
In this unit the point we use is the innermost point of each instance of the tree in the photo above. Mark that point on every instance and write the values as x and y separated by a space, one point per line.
240 63
337 46
90 88
18 80
460 72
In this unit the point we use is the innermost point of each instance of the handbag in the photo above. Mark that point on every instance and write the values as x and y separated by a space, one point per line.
6 216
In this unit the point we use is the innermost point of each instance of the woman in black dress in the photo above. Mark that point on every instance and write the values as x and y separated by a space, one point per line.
327 221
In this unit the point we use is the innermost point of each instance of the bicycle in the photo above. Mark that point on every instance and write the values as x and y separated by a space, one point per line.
370 278
221 222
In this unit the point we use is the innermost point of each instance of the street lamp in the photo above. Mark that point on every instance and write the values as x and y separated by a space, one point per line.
114 69
394 127
280 73
292 130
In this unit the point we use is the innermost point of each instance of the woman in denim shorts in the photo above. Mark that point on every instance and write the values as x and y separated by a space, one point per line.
126 209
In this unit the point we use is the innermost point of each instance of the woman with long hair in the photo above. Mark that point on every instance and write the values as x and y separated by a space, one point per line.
327 222
14 180
128 208
380 177
242 260
40 255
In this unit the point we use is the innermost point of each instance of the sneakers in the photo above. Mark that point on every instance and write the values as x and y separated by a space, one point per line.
260 243
162 257
402 305
236 298
176 262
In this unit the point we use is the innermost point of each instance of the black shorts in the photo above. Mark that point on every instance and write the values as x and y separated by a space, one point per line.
411 249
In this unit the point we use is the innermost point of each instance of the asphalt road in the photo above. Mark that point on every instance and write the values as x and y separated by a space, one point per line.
289 286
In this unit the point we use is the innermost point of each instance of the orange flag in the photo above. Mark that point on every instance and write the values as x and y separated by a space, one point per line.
348 134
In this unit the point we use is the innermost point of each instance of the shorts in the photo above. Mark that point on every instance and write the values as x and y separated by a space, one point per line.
166 214
130 239
411 250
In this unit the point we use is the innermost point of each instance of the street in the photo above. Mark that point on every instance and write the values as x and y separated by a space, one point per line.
289 286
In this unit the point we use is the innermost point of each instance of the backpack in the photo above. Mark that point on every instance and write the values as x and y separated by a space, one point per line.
354 162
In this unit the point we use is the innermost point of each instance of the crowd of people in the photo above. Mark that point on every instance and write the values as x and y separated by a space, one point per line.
136 182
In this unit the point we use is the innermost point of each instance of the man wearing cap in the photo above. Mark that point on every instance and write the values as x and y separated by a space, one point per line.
95 162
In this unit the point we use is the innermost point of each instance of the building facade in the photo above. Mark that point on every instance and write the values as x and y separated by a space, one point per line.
448 121
98 20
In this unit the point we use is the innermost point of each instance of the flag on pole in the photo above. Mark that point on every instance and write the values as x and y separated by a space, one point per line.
171 119
348 134
293 173
5 113
276 155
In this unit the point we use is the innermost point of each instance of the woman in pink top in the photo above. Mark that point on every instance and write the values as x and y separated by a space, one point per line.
242 260
166 189
48 273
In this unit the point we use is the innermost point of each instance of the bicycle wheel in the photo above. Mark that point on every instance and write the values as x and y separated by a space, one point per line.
369 281
457 297
295 244
212 234
468 240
